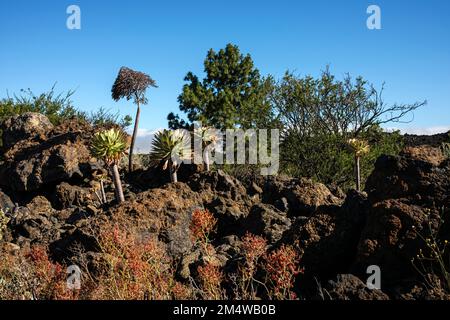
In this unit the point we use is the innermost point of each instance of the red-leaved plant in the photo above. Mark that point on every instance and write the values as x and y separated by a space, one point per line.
202 225
282 266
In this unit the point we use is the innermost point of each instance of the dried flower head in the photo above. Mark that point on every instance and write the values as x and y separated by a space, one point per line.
131 84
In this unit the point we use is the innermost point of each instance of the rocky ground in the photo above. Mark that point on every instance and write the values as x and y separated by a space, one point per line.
48 181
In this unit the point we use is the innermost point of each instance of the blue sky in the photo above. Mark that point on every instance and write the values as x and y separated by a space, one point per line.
166 39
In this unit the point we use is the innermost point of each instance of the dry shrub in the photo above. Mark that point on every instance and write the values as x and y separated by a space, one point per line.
281 266
138 268
131 84
253 248
211 278
30 274
202 225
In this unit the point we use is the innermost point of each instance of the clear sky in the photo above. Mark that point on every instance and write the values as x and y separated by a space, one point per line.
166 39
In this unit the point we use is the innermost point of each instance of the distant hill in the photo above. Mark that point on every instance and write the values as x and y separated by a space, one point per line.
435 140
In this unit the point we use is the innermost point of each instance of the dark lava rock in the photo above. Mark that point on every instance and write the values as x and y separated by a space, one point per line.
5 202
409 194
265 220
28 126
32 163
350 287
303 196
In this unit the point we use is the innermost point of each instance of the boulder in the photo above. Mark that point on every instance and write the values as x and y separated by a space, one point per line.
303 196
35 223
328 239
350 287
267 221
164 212
229 214
67 195
154 177
40 205
27 126
390 238
423 179
5 202
225 196
218 183
74 240
425 153
409 199
33 163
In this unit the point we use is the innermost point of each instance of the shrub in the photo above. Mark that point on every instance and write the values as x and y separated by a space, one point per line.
137 268
202 225
57 107
253 248
326 158
106 119
32 275
210 277
281 266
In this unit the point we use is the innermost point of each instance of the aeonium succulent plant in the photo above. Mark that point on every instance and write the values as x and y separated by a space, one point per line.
171 148
359 148
209 138
111 146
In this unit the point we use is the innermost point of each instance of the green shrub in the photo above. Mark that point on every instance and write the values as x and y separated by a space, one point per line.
445 147
326 158
57 108
105 118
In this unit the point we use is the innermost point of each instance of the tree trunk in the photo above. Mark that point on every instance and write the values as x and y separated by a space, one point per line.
358 173
207 160
117 184
173 174
133 138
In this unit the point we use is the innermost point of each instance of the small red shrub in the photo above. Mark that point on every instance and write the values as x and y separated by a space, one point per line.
49 280
202 224
139 268
282 268
253 248
211 277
